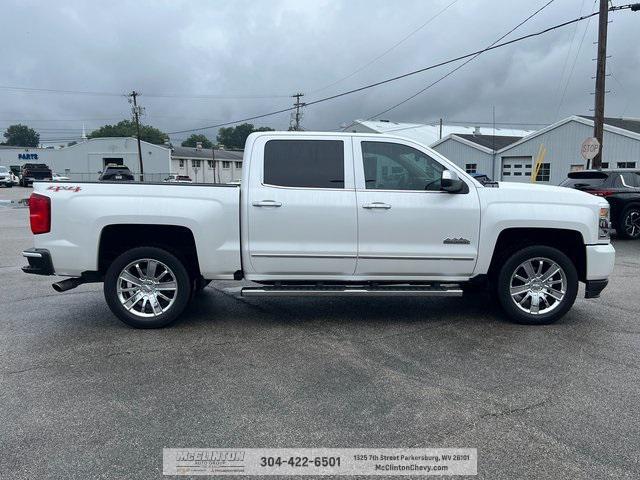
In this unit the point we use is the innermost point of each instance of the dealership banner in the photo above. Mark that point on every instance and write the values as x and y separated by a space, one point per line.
320 461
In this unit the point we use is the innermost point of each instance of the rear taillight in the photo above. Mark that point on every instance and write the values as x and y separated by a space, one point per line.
39 213
602 193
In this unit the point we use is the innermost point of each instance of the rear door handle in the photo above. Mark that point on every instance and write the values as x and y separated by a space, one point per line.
267 203
381 205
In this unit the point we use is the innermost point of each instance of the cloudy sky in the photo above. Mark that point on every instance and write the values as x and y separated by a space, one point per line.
199 63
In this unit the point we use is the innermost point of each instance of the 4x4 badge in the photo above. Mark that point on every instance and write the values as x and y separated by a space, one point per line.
71 188
456 241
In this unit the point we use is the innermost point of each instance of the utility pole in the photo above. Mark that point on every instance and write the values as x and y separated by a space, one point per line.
297 115
601 73
440 134
213 159
137 111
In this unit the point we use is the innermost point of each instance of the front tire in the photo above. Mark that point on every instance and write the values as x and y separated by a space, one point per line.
630 223
537 285
147 287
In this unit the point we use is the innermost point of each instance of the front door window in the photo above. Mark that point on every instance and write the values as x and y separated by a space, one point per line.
393 166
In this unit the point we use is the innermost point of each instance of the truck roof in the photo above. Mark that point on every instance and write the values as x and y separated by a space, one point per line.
286 133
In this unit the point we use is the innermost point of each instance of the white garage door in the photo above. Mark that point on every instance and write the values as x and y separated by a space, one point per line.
516 169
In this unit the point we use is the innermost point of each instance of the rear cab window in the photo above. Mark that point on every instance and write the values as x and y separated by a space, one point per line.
304 163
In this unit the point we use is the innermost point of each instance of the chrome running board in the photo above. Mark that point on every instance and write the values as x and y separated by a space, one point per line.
349 291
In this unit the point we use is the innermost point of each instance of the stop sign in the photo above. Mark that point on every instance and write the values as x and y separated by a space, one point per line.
590 148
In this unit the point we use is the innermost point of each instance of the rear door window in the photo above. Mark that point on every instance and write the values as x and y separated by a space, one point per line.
626 180
304 163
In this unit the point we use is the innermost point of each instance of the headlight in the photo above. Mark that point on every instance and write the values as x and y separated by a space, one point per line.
604 225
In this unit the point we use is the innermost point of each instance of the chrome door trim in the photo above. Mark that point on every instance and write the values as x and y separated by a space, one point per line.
301 255
414 257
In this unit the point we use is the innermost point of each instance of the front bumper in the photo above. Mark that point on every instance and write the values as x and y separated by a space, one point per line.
600 261
39 262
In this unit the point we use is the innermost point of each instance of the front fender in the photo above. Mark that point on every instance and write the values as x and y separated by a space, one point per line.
502 216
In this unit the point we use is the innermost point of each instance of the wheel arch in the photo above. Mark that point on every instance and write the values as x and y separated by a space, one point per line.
510 240
116 239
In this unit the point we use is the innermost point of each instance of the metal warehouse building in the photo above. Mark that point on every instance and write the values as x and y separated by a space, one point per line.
86 160
427 134
509 158
473 152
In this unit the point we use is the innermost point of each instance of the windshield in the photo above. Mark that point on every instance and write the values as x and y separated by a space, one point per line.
4 170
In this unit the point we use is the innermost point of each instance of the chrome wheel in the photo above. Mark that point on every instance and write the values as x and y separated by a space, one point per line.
538 285
632 223
147 287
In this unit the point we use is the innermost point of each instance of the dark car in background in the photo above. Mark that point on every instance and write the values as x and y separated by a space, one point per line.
31 172
621 188
482 178
116 173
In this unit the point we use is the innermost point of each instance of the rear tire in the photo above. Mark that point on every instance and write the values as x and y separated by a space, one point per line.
537 285
147 287
630 223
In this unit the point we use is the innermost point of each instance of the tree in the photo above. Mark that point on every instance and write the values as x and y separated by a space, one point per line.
193 140
21 136
234 137
127 128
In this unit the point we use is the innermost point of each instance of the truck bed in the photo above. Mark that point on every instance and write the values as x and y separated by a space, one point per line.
81 210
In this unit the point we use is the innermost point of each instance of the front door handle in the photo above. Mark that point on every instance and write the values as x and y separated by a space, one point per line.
381 205
267 203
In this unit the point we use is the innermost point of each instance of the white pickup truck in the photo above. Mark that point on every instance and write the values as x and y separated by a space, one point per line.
324 214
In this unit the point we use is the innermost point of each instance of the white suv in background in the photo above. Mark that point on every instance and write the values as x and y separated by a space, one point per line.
6 177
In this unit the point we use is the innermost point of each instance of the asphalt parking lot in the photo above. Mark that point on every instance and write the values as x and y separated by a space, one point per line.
84 396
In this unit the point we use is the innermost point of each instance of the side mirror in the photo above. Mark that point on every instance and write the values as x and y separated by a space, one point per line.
451 182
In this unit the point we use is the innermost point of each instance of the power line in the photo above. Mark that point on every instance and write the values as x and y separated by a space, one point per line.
214 97
573 66
149 95
392 47
118 117
566 59
52 90
469 122
451 72
398 77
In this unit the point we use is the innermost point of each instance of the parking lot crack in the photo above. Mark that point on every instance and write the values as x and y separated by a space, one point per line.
511 411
